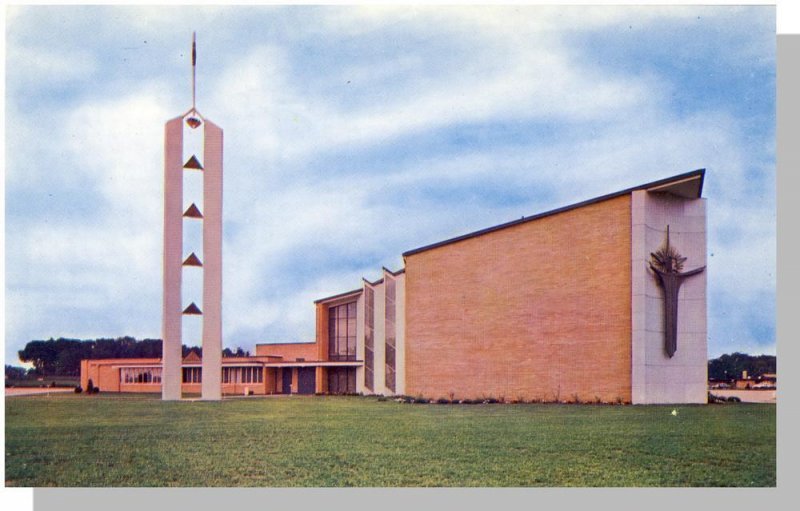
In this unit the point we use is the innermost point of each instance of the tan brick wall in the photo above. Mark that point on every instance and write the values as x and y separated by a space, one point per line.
322 331
108 378
289 351
140 387
540 310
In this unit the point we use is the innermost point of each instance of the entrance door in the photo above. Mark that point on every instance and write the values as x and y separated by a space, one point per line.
306 380
286 378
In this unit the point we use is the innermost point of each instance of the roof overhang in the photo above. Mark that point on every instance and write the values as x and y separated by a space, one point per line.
690 187
354 363
355 293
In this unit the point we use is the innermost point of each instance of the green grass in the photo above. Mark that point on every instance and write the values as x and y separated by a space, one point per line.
137 440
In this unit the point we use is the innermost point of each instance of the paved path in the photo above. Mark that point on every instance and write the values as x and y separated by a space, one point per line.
32 391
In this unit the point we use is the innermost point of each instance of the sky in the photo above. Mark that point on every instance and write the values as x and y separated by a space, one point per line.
353 134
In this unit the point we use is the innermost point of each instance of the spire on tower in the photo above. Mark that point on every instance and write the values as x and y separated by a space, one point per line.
194 66
194 116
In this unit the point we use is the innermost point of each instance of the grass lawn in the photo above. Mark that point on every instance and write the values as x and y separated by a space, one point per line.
138 440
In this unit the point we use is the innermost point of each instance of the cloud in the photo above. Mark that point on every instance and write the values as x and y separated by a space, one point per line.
354 134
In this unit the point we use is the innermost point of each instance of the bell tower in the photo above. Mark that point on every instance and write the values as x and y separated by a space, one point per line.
192 300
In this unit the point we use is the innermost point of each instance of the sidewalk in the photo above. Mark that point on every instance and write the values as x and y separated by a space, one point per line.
32 391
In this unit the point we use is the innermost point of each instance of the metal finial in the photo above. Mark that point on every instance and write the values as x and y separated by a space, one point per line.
194 67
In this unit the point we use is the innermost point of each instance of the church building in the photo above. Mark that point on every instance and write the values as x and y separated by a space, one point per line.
599 301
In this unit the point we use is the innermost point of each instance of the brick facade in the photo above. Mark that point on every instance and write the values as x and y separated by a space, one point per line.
539 310
289 351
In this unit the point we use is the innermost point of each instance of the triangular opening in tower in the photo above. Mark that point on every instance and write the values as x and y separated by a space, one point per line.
192 309
192 260
193 163
193 212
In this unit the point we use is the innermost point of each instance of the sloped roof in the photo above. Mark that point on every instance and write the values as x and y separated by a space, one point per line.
689 185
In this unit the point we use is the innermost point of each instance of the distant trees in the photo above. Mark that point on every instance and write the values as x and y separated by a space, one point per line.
62 357
238 353
731 366
15 373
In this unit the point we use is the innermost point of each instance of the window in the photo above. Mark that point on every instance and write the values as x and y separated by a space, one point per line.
391 333
369 338
242 375
192 375
136 375
342 380
342 332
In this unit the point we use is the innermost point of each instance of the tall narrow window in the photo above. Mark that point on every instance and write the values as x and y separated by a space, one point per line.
391 333
342 380
192 375
342 332
369 337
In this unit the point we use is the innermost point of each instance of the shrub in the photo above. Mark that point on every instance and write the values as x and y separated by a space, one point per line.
381 398
734 399
78 389
443 401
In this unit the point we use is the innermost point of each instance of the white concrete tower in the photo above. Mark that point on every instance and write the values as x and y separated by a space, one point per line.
192 307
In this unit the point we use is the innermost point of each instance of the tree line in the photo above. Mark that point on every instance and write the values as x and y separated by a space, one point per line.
62 357
728 367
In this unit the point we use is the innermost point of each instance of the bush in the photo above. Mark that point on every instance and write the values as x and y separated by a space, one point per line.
78 389
443 401
734 399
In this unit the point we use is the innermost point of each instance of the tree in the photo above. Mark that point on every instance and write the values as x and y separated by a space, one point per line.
227 352
727 367
15 372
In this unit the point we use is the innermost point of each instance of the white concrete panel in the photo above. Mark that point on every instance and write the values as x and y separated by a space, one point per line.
380 341
360 306
400 289
172 254
657 378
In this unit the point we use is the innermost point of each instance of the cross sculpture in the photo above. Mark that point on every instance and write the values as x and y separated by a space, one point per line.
667 264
